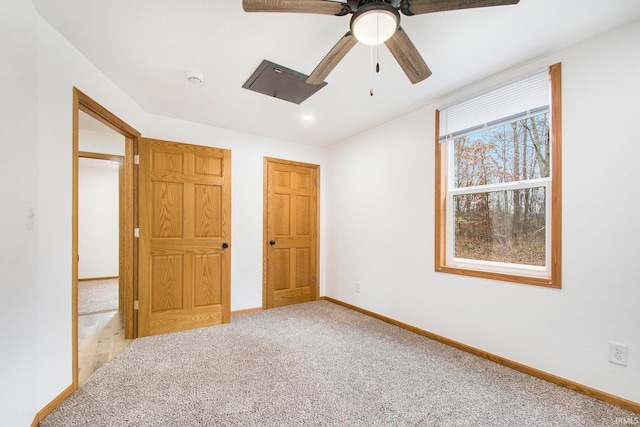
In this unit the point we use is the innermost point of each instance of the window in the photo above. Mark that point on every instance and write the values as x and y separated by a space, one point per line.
498 183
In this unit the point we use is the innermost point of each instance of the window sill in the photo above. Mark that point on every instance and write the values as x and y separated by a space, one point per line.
525 280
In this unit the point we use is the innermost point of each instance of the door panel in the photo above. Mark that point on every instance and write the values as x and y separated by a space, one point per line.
303 270
168 200
208 290
291 236
207 219
184 220
167 281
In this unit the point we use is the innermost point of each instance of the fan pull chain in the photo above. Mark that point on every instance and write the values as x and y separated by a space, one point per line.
371 72
377 54
377 42
377 67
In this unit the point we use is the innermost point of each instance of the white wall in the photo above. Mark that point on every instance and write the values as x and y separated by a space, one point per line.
98 218
61 67
101 142
18 174
381 222
98 202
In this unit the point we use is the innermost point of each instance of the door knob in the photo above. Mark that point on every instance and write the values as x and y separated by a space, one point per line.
225 245
272 242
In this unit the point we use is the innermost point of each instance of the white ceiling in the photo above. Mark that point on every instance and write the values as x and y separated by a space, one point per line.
147 46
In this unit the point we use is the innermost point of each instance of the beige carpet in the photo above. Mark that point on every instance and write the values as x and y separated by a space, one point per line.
96 296
316 364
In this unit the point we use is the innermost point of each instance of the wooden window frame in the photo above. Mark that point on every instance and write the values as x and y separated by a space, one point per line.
554 280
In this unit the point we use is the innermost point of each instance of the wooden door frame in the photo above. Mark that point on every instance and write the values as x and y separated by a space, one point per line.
265 205
128 245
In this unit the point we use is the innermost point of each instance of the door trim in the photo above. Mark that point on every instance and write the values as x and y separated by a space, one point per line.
265 205
82 102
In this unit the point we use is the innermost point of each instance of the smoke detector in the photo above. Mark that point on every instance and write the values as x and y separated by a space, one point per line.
195 77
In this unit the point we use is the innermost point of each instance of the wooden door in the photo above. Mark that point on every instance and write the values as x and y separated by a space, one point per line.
185 231
291 224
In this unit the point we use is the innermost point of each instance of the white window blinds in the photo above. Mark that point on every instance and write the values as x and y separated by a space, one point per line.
523 98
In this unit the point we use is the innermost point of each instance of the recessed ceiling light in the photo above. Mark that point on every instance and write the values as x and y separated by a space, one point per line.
307 117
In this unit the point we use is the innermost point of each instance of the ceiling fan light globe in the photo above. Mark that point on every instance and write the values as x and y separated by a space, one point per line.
374 26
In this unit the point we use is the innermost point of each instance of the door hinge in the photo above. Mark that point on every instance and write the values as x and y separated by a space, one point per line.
136 159
136 305
136 232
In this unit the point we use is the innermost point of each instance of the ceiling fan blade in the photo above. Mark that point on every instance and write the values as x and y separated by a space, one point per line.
408 56
334 56
417 7
320 7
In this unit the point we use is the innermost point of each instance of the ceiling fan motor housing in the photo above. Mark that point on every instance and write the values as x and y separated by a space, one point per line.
375 22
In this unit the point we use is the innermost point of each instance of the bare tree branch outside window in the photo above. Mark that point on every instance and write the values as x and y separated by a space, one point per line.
509 225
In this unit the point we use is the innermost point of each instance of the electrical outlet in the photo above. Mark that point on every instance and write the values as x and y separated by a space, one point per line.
357 287
618 353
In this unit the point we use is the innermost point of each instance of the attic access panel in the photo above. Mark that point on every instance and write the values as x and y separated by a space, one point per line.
281 82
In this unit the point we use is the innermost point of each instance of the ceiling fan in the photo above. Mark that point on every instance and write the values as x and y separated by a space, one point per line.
373 22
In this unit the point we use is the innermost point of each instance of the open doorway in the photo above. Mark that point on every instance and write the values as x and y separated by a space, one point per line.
99 138
101 335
